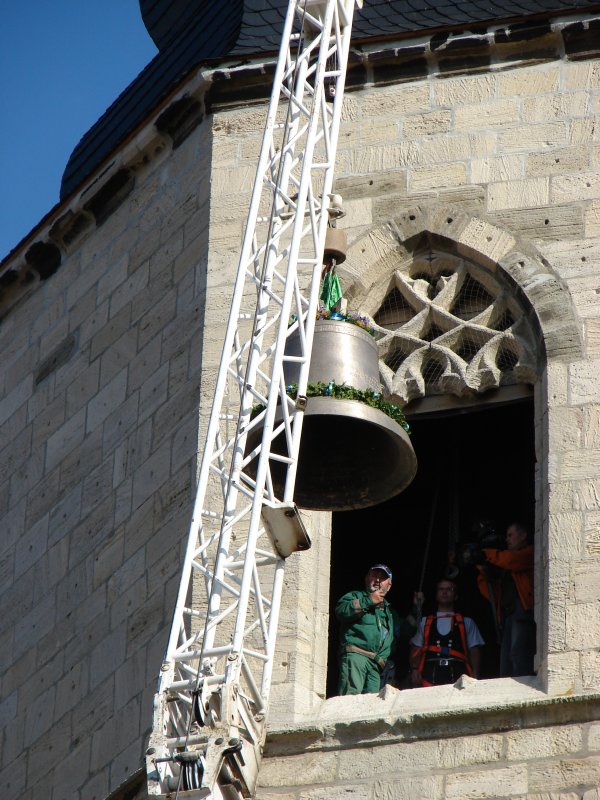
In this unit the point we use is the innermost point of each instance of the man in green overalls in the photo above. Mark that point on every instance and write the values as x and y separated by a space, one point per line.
369 627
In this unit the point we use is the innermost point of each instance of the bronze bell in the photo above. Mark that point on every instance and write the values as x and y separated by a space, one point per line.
351 455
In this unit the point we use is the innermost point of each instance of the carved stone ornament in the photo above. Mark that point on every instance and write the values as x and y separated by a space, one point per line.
448 326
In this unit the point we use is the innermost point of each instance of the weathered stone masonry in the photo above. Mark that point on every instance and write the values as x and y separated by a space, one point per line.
111 334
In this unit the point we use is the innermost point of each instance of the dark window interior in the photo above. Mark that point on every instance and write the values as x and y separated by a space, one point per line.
475 465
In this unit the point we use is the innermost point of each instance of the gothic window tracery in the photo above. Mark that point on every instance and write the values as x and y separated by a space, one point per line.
450 326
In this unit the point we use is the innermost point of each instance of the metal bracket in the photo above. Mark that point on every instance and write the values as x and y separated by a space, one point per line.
285 529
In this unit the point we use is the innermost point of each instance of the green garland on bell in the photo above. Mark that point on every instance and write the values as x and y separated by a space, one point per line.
345 392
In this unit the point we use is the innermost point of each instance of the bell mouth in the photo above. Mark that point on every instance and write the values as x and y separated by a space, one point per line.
351 456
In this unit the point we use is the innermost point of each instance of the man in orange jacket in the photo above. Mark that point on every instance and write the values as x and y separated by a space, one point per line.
513 600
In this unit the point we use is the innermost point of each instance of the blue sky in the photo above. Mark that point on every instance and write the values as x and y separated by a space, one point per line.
62 63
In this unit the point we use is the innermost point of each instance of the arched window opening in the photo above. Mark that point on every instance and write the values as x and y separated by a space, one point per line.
458 351
476 465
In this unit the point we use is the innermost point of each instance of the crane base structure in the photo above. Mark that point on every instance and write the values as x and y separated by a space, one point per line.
210 710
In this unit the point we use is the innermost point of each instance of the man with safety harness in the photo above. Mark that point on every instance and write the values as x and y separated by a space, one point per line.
447 645
369 628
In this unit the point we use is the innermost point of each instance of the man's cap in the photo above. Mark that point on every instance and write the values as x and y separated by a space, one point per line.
387 570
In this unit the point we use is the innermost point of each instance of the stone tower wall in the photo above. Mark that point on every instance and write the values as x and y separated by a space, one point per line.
106 382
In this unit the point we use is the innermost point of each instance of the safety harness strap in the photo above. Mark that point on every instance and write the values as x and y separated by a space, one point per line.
436 649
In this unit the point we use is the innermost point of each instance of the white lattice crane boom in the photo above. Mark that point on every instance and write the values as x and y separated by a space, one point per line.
210 709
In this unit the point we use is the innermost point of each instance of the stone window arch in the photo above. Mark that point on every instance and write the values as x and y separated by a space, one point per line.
468 313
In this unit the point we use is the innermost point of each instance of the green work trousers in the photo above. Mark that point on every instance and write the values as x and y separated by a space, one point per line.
358 674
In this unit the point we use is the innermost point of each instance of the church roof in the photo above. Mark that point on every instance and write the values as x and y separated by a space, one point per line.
194 32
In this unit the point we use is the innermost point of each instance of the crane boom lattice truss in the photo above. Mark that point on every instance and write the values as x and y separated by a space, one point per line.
211 704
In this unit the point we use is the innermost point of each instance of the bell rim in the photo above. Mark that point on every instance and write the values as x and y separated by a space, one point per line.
333 406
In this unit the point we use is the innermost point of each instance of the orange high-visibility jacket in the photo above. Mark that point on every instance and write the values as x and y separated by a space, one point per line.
520 564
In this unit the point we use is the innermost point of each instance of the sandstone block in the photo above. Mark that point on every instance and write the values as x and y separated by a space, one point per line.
575 258
492 783
583 626
65 439
565 428
518 194
226 151
232 182
93 529
587 496
466 751
71 688
486 116
467 89
579 465
583 131
490 241
585 291
157 318
429 123
592 219
136 281
423 178
108 331
306 768
106 401
115 275
562 160
577 75
586 583
563 673
31 547
13 779
388 101
522 82
429 786
503 168
529 138
557 773
592 535
387 132
556 636
593 734
265 794
565 105
33 625
406 758
585 381
115 735
455 148
8 709
151 475
51 325
338 792
591 430
537 744
592 337
107 656
24 480
73 773
569 188
15 398
558 222
363 161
